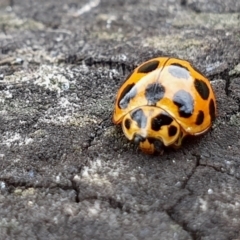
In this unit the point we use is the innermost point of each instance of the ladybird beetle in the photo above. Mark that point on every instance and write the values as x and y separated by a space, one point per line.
162 101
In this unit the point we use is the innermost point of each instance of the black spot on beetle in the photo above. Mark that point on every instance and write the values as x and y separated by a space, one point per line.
185 103
127 94
200 118
127 123
212 110
172 130
154 92
151 140
178 71
159 121
202 88
158 145
148 67
139 117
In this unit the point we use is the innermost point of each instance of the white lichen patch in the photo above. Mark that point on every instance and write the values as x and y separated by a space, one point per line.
9 138
96 179
82 121
52 78
13 22
27 141
208 20
86 8
69 119
47 76
37 56
216 67
68 113
184 48
2 185
90 174
18 77
5 94
12 138
226 206
235 120
64 103
235 70
203 204
110 131
103 175
28 192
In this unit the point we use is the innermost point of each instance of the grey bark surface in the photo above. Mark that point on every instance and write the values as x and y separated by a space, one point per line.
66 172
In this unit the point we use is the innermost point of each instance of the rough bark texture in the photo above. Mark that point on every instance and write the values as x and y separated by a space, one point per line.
66 172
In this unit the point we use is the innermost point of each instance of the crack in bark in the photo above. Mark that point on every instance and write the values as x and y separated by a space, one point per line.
99 126
93 61
75 185
77 191
219 169
192 172
11 185
170 212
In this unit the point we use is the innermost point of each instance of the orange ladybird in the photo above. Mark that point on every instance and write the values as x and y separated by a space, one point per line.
162 101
